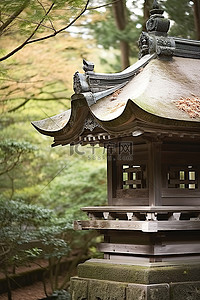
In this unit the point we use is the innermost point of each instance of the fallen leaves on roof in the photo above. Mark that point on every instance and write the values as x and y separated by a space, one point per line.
190 105
117 106
115 94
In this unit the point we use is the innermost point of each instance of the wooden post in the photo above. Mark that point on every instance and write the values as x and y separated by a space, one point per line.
111 175
154 173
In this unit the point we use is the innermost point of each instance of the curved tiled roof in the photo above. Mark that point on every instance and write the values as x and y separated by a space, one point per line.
161 91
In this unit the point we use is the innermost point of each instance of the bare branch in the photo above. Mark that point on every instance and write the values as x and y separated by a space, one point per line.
4 251
14 81
63 28
19 106
29 40
53 98
13 16
12 165
52 26
28 21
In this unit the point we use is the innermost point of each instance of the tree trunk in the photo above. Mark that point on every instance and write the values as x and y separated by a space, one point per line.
197 18
120 16
9 291
124 49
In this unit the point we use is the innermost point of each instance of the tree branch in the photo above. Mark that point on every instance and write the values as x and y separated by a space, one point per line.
63 28
13 16
29 38
52 26
9 168
29 41
4 251
35 99
19 106
25 20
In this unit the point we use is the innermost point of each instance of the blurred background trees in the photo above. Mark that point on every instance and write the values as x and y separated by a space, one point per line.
123 21
42 46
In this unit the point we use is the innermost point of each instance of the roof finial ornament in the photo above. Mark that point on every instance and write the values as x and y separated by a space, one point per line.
156 40
156 9
157 24
156 5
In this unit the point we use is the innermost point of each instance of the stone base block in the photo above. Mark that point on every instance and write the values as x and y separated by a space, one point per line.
147 292
185 290
128 282
92 289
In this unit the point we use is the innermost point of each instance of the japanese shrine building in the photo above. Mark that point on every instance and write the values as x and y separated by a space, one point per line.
148 119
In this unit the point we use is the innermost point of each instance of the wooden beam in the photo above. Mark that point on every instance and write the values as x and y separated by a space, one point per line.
163 249
145 226
126 209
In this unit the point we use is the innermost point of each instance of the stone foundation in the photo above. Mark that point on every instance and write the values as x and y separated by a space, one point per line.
107 281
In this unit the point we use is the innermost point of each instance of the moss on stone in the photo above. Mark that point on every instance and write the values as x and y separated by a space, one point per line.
79 289
186 291
106 290
139 274
120 273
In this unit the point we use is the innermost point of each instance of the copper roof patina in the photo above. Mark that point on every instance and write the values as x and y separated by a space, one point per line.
160 91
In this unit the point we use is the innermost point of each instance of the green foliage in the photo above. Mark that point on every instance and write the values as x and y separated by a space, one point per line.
62 295
37 20
106 33
28 232
11 147
181 12
26 14
80 184
23 225
32 90
11 153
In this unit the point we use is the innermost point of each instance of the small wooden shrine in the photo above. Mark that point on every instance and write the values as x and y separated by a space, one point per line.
148 119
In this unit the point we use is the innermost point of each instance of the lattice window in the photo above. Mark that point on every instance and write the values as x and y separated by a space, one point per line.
183 177
134 177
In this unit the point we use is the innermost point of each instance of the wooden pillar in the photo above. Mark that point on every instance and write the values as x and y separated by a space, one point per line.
154 173
111 175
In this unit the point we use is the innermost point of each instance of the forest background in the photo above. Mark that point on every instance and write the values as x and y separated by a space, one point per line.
42 46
